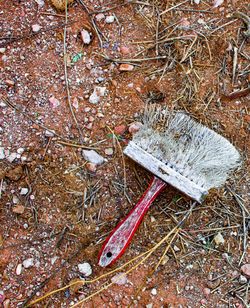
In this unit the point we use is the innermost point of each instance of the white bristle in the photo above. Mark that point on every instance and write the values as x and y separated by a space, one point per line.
188 147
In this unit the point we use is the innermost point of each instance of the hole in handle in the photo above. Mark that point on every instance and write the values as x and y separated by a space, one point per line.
109 254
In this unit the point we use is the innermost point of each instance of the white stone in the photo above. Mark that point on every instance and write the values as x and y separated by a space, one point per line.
19 269
153 291
2 155
242 279
20 151
219 239
85 269
15 200
28 263
93 157
49 133
86 38
120 279
36 28
24 191
196 1
12 157
2 50
40 2
98 92
110 19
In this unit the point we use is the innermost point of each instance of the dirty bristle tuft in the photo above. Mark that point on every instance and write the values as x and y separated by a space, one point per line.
188 147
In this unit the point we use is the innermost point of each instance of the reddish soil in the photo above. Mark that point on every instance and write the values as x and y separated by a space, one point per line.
68 210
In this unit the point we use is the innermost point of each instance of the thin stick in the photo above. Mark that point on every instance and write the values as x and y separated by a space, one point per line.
173 7
66 71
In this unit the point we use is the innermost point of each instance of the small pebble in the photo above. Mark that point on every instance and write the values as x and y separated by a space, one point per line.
2 154
54 102
242 279
246 270
176 248
24 191
11 157
120 129
91 167
219 239
85 269
28 263
19 269
100 16
110 19
124 50
93 157
109 151
86 37
153 291
134 127
165 260
49 133
206 291
2 50
36 28
124 67
120 279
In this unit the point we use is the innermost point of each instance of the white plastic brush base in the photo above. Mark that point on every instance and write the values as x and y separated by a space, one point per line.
165 173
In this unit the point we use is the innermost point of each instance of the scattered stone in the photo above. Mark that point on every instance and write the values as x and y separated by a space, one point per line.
120 279
152 219
15 174
91 167
109 151
11 157
75 103
85 269
19 269
20 151
24 191
219 239
40 2
100 16
197 1
89 126
153 291
93 157
2 297
124 50
134 127
98 92
86 37
149 305
246 269
2 154
36 28
124 67
60 4
120 130
218 3
213 284
28 263
9 83
2 50
54 102
18 209
165 260
242 279
206 291
110 19
176 248
49 133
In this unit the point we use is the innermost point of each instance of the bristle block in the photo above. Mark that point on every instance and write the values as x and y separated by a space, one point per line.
164 172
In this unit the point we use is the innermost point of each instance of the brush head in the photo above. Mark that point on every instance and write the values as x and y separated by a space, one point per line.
186 149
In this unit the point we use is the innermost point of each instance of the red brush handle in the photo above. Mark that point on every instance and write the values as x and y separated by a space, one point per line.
121 236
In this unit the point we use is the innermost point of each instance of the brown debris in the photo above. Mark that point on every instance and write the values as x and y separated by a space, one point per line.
60 4
15 174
